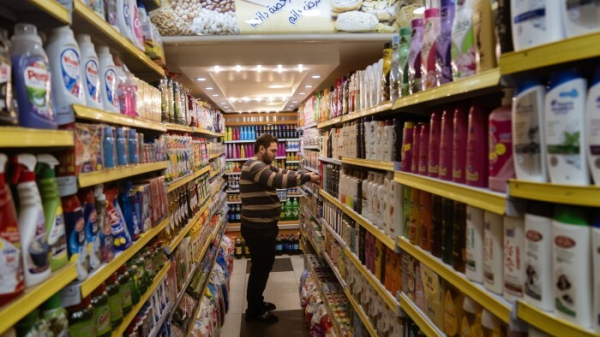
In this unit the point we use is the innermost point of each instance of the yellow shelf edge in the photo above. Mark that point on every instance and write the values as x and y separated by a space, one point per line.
478 197
486 79
567 50
428 328
120 330
374 164
203 131
555 193
188 227
179 127
330 122
54 9
112 174
371 228
80 8
372 280
361 313
182 181
385 106
549 323
492 302
331 199
335 323
216 155
96 115
99 276
18 137
33 297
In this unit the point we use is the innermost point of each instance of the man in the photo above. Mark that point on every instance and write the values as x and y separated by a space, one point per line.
260 213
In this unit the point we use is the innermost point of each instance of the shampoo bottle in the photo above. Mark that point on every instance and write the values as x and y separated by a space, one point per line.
423 149
414 56
429 49
463 44
396 210
407 150
514 273
477 147
474 244
564 126
592 126
444 42
414 231
425 220
538 255
433 155
536 22
580 17
459 144
416 148
90 72
493 253
528 139
501 166
446 137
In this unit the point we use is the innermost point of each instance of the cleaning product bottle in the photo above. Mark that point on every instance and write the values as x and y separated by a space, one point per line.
536 22
414 56
446 137
137 33
538 255
564 126
429 48
464 63
125 18
36 256
13 282
501 166
596 264
75 229
572 264
53 212
403 54
459 144
90 72
56 315
108 80
528 139
477 147
592 126
474 244
118 227
580 17
8 114
493 253
65 66
514 273
444 42
433 156
104 225
31 75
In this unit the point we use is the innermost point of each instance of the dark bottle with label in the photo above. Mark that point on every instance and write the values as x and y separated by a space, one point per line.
437 225
126 288
114 300
238 248
101 312
448 223
460 235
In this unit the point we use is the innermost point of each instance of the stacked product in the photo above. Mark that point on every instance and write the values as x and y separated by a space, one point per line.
184 204
185 155
252 132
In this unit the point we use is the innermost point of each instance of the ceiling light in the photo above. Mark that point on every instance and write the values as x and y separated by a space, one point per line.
276 86
215 95
232 99
201 79
238 68
279 68
283 98
308 86
295 102
258 99
246 99
259 68
300 68
209 88
316 76
240 112
271 99
419 11
302 93
217 69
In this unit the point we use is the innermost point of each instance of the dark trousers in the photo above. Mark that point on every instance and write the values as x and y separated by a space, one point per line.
262 244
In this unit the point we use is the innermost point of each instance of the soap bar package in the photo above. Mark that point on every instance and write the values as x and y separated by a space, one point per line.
86 154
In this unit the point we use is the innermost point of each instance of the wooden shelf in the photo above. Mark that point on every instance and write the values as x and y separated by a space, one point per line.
555 193
385 106
372 164
18 137
330 122
91 114
117 173
45 13
330 160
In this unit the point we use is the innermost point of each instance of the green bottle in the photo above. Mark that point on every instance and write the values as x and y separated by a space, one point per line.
81 319
295 209
126 288
32 326
57 316
53 212
282 215
288 210
114 300
101 312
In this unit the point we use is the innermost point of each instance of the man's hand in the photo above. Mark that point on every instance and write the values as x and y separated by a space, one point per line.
314 178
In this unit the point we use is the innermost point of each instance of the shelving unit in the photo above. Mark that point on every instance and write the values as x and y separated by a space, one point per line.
182 181
424 323
372 164
308 168
549 323
556 193
330 160
18 137
108 175
170 248
95 115
216 155
361 314
51 12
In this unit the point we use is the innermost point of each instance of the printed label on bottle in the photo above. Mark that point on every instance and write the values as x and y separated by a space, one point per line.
38 253
92 80
126 290
500 147
11 267
115 307
81 329
70 70
526 136
37 83
110 84
102 320
463 46
56 236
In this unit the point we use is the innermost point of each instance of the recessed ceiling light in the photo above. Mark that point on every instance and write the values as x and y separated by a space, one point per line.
295 102
238 68
276 86
217 69
215 95
308 86
279 68
259 68
209 88
419 11
246 99
302 93
300 68
232 99
201 79
316 76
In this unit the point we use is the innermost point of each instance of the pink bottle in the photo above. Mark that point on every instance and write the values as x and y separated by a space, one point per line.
501 166
434 144
459 143
407 139
445 162
423 149
428 49
477 147
416 145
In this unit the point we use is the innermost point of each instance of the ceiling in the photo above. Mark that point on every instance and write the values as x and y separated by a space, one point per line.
267 73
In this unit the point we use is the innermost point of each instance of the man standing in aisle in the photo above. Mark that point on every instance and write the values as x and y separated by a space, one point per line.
260 213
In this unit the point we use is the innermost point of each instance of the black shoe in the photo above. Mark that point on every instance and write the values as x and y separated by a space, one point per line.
264 318
267 306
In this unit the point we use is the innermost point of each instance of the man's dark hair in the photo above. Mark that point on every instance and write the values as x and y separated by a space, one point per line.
265 140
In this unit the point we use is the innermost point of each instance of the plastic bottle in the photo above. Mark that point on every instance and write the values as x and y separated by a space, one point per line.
446 137
433 155
122 153
81 318
443 64
536 22
65 66
390 140
592 126
31 75
423 149
596 264
108 147
90 72
477 147
459 237
75 233
459 144
416 148
538 255
572 265
101 312
403 56
564 127
464 63
407 150
493 253
13 282
414 56
108 80
126 289
384 211
414 230
580 17
425 220
514 272
32 227
104 226
56 315
8 114
502 26
528 139
448 223
429 48
501 163
396 210
474 244
137 33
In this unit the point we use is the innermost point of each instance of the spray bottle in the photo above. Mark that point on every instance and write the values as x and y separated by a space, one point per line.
106 239
53 212
36 260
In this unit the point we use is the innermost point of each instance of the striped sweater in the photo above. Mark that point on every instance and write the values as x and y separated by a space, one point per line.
258 189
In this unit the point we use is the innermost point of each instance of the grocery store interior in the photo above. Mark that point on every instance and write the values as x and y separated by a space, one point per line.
444 199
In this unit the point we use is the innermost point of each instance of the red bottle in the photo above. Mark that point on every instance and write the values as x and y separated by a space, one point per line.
434 144
414 166
445 162
423 149
459 144
477 147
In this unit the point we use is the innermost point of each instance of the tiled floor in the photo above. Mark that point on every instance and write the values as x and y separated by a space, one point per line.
282 290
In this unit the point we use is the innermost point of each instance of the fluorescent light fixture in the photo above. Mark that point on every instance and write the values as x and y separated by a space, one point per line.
276 86
279 68
419 11
295 102
246 99
201 79
302 93
308 86
209 88
215 95
232 99
316 76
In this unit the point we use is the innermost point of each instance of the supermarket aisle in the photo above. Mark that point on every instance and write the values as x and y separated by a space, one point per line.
282 290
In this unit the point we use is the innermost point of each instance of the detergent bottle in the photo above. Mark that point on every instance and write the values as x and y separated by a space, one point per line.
90 72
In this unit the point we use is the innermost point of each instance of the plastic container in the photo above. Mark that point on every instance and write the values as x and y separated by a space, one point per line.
423 149
101 312
580 17
538 255
433 155
429 48
564 126
528 140
464 63
444 42
104 225
75 233
459 144
446 137
407 150
501 163
514 271
474 244
416 148
65 66
403 57
414 56
536 22
8 114
108 80
592 126
90 72
477 147
425 220
114 300
31 75
493 253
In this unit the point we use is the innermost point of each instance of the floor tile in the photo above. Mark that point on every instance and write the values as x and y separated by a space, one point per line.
237 282
236 302
233 324
280 265
291 324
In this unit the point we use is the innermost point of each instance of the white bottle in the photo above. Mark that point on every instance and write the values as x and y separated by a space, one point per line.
592 126
528 137
535 22
387 220
596 263
580 17
366 196
32 227
390 135
493 277
538 256
474 244
380 141
572 265
90 72
108 78
371 197
564 128
125 18
65 65
514 273
381 194
396 217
